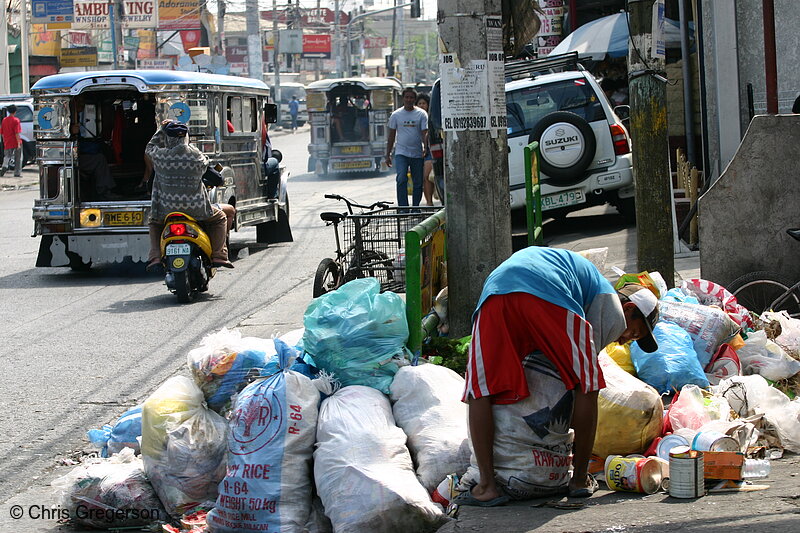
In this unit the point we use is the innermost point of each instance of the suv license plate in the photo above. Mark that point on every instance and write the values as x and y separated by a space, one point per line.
563 199
178 249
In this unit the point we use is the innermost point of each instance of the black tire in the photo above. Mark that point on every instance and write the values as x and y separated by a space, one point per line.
326 279
576 170
183 287
756 291
627 208
77 264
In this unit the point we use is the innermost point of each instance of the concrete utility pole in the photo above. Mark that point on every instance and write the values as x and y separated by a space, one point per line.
23 47
255 62
276 58
5 76
647 90
476 168
335 45
221 27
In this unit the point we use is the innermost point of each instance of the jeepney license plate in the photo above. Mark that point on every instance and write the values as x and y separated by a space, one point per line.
341 165
123 218
351 150
178 249
562 199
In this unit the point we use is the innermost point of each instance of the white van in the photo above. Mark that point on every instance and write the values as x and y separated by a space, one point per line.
289 89
24 104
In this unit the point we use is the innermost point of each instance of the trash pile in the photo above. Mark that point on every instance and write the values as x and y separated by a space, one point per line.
326 429
332 428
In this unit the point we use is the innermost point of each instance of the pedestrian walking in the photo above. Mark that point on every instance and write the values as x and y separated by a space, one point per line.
294 107
409 127
555 302
11 129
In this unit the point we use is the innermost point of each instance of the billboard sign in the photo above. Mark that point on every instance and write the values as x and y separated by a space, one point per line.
291 41
91 15
139 13
179 14
376 42
85 56
52 11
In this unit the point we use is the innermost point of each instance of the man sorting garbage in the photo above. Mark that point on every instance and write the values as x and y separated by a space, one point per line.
556 302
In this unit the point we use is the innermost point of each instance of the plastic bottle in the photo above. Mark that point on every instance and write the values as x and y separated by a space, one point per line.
755 468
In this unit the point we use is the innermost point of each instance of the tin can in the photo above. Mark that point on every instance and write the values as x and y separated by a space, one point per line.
667 443
714 441
632 474
686 473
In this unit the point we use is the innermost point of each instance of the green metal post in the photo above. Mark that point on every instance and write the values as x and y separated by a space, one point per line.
533 195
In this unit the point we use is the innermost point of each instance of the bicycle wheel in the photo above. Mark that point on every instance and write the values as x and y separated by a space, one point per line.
758 291
326 278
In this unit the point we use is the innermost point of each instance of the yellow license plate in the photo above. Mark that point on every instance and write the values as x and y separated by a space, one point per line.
341 165
123 218
351 150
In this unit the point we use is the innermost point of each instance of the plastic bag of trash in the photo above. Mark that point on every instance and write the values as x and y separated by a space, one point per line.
597 256
533 439
687 409
183 446
124 433
709 327
710 293
225 363
110 493
724 364
789 339
759 355
673 365
629 412
621 354
680 295
752 395
362 468
428 408
358 334
268 483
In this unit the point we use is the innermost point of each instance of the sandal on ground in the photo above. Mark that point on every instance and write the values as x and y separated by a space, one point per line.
220 264
466 498
584 492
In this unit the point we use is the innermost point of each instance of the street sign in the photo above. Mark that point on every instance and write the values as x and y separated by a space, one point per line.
155 63
291 41
85 56
52 11
317 46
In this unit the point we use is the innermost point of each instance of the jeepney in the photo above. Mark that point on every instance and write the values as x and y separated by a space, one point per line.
92 127
349 123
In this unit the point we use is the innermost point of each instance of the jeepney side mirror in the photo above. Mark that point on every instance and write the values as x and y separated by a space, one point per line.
271 113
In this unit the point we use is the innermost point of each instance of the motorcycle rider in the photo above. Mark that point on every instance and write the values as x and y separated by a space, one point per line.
177 186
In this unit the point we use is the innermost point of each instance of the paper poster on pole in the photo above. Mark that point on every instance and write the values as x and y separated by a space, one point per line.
139 13
465 94
658 49
91 15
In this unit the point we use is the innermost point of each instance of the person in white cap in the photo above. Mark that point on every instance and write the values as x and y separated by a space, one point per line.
556 302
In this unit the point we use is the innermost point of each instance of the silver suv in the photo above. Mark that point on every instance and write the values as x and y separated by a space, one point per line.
24 105
585 149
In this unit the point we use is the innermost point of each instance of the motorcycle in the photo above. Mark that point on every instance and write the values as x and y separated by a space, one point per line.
186 256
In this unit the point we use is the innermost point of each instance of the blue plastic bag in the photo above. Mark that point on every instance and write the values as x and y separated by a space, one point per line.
246 365
112 439
679 295
355 333
673 365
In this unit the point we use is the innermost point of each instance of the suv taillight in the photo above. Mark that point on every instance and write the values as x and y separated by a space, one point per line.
620 139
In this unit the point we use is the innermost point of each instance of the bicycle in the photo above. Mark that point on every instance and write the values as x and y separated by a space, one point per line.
374 238
766 291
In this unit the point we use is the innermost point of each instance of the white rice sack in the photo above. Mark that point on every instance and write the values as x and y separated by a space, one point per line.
363 470
428 408
532 439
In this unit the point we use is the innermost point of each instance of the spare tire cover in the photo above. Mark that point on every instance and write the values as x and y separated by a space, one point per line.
566 144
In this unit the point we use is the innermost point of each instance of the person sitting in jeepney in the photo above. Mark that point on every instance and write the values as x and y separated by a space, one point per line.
362 106
178 186
92 162
344 119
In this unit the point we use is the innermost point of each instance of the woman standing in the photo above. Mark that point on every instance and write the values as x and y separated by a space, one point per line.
423 102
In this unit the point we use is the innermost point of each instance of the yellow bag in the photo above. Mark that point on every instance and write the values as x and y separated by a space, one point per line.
629 412
642 278
621 354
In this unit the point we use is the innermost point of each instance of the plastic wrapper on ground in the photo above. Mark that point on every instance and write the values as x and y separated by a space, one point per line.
363 471
533 439
673 365
124 433
629 412
183 446
759 355
110 493
428 408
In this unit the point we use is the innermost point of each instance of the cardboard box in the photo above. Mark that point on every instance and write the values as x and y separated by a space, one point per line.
723 465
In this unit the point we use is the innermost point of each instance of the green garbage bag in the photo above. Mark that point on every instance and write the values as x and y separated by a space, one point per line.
358 333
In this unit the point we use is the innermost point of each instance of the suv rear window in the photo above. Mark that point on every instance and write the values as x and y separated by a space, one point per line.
525 107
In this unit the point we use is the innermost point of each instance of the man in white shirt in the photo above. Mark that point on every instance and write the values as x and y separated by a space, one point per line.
409 127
